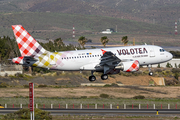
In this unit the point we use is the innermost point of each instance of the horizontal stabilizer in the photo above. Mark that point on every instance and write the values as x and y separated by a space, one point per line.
26 60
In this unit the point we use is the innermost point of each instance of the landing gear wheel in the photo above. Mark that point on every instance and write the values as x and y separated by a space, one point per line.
104 76
150 73
92 78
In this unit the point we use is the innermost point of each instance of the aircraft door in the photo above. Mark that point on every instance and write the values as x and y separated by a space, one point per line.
152 53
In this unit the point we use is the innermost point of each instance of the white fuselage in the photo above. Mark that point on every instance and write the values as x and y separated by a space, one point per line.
88 59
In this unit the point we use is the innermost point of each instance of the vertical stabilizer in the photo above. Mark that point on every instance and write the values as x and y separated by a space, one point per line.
28 46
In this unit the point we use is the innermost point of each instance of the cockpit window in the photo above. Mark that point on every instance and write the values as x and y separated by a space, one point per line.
161 50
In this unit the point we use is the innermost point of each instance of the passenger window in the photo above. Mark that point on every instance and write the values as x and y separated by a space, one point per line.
92 55
72 57
77 57
82 56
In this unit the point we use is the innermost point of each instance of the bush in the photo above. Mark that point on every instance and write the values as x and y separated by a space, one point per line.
139 97
112 76
42 85
126 74
25 114
33 73
3 85
58 73
114 85
26 86
135 73
176 76
104 95
83 96
6 75
171 82
175 65
158 70
19 75
169 65
175 70
107 85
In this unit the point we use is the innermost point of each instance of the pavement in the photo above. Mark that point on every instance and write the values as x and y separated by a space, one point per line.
106 112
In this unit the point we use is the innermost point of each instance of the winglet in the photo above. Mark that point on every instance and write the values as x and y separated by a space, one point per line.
103 51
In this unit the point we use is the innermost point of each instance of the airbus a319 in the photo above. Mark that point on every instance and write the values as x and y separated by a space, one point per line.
106 60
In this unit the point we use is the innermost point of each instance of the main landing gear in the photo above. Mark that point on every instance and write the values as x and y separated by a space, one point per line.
93 78
150 72
104 76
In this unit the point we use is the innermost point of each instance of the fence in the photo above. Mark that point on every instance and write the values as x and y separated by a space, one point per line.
95 106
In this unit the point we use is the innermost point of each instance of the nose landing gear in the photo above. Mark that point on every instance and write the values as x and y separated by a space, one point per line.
150 72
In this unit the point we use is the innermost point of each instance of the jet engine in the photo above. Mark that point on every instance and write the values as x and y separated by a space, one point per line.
128 66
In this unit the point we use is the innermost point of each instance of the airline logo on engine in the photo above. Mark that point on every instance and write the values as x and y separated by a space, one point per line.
132 51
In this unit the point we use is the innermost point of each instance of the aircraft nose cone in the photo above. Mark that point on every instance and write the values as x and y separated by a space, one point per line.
170 56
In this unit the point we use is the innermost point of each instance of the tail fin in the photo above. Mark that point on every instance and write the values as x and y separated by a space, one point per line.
28 46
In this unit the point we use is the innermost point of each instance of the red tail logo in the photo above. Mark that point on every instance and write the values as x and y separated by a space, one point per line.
28 46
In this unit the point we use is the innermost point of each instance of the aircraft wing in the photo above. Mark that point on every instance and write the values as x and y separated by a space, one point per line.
109 61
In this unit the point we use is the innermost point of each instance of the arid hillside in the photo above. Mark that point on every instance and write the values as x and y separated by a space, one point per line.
149 11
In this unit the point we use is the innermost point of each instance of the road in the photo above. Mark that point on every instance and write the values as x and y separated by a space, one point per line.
116 112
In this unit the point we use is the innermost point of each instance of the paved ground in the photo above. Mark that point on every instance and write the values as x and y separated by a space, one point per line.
107 112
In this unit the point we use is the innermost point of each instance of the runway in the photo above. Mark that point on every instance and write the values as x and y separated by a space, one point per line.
116 112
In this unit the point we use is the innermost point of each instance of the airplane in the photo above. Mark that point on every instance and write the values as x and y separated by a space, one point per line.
105 60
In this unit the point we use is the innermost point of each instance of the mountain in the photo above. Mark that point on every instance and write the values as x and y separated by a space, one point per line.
55 18
163 12
151 11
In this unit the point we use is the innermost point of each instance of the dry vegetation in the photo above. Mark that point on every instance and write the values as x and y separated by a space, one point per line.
113 92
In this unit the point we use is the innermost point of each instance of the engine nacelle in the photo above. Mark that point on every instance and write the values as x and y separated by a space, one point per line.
129 66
